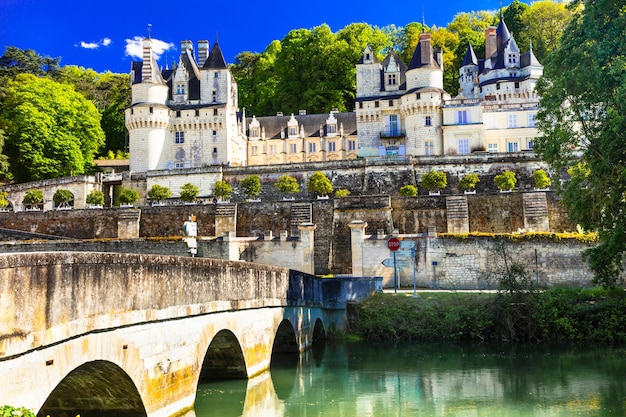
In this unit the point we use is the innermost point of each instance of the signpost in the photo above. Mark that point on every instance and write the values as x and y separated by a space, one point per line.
394 244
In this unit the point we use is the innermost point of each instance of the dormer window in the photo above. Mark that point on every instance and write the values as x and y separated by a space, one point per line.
367 56
254 132
332 129
392 79
180 88
293 131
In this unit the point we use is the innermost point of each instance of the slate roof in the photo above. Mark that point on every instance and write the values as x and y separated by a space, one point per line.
401 65
274 125
423 58
470 56
189 63
216 58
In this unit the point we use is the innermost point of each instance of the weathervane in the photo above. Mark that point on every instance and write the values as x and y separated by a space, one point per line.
149 30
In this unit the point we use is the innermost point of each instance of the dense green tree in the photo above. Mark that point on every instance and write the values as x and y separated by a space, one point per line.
189 192
582 118
128 196
541 178
434 180
251 186
51 130
319 184
159 193
33 197
469 181
545 21
514 17
410 35
16 61
287 184
222 190
62 197
449 43
95 198
505 181
408 190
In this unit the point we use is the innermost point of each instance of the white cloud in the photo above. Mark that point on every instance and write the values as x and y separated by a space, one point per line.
134 47
95 45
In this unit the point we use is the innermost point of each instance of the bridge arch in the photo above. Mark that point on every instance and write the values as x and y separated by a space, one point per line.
96 388
224 358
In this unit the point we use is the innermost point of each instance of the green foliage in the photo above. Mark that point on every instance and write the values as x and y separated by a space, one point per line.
4 202
342 192
128 196
159 193
8 411
189 192
319 184
51 130
287 185
434 180
505 181
589 133
33 197
62 196
222 190
251 186
541 179
16 61
408 190
469 181
110 155
95 198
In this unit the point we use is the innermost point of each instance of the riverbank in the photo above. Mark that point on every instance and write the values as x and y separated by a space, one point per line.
555 315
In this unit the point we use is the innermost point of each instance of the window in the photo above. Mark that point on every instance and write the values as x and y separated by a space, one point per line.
254 132
390 103
272 149
293 148
428 121
417 96
179 165
491 122
461 117
292 131
512 146
197 113
512 59
512 120
532 119
376 104
312 147
367 56
463 146
151 110
180 88
216 75
214 95
360 104
179 137
214 152
391 79
531 143
254 150
332 146
352 145
177 113
392 125
214 134
429 147
331 129
492 147
214 112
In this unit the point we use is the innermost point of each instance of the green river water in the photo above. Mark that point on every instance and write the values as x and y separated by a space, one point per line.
350 380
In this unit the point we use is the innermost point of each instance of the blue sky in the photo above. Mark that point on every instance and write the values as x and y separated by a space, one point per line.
104 35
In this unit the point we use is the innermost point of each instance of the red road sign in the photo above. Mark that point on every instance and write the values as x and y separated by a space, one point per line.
393 244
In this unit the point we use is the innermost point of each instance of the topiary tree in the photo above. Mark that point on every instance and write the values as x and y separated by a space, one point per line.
62 198
33 198
434 180
287 185
222 190
541 179
159 193
189 193
505 181
408 190
341 193
128 196
319 184
469 181
7 410
95 198
251 186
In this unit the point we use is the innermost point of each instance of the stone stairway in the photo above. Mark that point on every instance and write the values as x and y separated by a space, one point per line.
226 210
300 213
536 211
458 214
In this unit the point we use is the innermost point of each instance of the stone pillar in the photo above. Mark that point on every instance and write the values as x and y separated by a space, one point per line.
536 212
128 223
307 239
357 235
457 214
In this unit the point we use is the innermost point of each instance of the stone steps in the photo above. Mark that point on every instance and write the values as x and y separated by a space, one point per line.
300 213
226 210
456 207
535 205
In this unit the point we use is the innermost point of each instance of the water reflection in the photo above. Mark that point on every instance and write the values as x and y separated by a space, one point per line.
428 380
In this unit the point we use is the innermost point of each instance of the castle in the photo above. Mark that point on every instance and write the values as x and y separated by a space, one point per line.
189 116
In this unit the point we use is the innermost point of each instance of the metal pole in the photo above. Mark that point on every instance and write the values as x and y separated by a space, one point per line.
395 273
414 273
536 268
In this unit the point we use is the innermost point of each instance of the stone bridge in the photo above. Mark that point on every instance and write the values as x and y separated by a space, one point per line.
124 334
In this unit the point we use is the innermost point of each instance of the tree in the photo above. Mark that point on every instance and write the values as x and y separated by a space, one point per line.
582 118
159 193
319 184
541 179
222 190
287 184
128 196
16 61
189 192
62 197
95 198
4 201
434 180
33 197
545 22
342 192
469 181
251 186
408 190
51 130
514 17
505 181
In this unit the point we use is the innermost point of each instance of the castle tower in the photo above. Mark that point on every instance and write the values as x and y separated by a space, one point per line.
147 119
468 73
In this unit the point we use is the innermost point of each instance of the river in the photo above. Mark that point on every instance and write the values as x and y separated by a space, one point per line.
357 379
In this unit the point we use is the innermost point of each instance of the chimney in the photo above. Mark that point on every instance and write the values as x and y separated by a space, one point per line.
491 44
186 46
146 68
203 52
426 49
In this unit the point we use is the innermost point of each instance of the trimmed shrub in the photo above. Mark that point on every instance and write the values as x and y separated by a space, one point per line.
505 181
408 190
